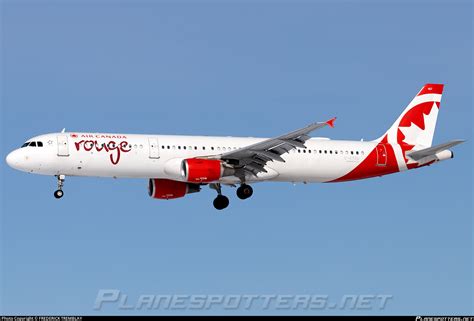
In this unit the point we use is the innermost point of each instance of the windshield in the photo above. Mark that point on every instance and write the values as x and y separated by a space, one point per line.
32 144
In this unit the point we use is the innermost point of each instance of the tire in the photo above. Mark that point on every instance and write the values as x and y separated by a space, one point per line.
244 191
221 202
58 194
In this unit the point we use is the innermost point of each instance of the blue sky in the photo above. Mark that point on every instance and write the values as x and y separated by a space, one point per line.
241 68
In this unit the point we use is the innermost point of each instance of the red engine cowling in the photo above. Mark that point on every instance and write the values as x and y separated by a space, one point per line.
169 189
198 170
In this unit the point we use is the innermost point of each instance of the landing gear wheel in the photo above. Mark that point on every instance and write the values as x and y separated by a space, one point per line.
244 191
221 202
58 194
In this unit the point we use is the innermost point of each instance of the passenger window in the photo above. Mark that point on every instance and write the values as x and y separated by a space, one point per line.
352 153
330 152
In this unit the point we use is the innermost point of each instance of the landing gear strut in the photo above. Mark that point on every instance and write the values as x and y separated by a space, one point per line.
221 201
59 192
244 191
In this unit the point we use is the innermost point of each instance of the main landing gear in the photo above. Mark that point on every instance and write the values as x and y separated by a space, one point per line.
59 192
244 191
221 201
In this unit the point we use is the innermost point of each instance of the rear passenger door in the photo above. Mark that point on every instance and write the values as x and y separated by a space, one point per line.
381 155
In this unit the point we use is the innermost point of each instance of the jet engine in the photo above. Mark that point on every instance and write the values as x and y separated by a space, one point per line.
198 170
169 189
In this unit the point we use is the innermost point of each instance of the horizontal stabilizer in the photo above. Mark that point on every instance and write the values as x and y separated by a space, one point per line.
420 154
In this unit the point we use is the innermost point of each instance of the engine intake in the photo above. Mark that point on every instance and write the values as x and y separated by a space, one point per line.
169 189
198 170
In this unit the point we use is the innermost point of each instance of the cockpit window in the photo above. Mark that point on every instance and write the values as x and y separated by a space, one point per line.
32 144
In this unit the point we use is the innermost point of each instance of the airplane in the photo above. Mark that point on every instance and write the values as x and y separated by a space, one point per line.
179 165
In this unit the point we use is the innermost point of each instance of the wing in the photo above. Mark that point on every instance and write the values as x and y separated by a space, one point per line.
253 158
420 154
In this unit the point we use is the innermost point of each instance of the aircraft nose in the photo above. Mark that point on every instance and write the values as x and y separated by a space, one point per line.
13 159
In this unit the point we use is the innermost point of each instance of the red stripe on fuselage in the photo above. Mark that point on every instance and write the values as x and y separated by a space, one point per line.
369 167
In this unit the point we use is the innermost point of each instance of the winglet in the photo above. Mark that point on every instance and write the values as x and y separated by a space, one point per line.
331 121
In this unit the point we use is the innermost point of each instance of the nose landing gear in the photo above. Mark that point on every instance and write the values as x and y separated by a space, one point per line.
59 192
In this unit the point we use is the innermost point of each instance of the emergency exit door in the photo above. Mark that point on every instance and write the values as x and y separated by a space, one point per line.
154 148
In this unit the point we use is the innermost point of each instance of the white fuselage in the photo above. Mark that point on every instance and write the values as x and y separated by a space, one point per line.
158 156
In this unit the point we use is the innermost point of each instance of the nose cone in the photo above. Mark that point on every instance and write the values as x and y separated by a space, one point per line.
13 159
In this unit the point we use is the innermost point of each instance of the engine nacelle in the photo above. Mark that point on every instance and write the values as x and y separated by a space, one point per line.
169 189
198 170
